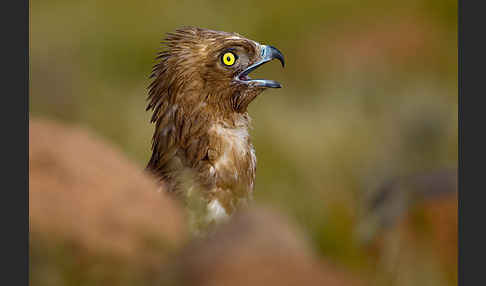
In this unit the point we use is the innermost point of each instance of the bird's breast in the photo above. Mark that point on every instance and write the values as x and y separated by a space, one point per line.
232 158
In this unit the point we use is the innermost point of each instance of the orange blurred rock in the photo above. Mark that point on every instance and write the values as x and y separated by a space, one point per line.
257 247
86 195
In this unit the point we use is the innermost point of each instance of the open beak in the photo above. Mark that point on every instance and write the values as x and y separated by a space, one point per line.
268 53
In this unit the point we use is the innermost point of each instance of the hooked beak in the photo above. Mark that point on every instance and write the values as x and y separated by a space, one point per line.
268 53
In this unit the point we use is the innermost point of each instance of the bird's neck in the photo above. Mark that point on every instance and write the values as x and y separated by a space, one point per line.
227 99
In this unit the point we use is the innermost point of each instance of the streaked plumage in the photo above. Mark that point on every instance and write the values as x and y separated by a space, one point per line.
201 143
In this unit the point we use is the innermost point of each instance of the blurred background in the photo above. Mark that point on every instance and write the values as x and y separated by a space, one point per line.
357 148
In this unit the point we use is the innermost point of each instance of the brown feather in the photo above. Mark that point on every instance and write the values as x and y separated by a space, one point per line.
201 122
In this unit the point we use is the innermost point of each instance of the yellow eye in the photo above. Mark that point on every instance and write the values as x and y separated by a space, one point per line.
229 59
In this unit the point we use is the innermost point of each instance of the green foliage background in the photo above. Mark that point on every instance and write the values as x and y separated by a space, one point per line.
370 92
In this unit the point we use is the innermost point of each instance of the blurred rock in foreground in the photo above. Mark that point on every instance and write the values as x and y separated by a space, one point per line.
257 247
95 217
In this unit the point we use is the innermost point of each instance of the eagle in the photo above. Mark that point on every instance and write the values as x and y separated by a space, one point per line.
199 96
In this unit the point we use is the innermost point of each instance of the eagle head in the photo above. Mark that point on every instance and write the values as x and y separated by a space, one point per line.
213 66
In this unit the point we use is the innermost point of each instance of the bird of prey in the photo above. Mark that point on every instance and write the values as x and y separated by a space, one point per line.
199 97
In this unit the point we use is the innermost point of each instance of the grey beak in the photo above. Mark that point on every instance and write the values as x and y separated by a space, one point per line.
268 53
